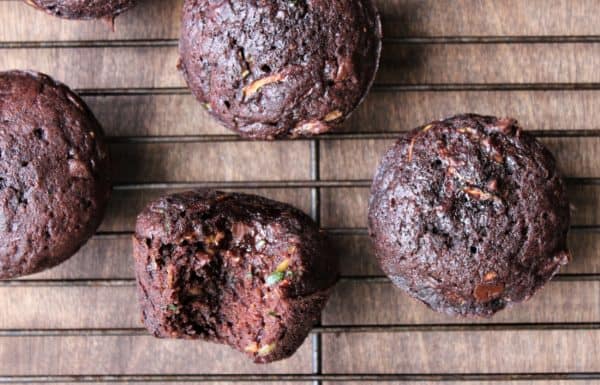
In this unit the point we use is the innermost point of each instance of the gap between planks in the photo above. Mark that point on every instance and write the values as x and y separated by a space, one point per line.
559 133
315 199
419 40
317 330
128 282
441 87
360 377
365 183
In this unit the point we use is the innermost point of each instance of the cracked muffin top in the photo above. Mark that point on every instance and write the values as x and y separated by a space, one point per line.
277 68
469 214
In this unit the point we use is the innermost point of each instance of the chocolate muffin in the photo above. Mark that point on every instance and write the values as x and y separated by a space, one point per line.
469 215
54 176
280 68
235 269
83 9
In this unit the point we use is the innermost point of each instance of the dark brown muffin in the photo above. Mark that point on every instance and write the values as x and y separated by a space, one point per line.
235 269
83 9
54 176
280 68
469 215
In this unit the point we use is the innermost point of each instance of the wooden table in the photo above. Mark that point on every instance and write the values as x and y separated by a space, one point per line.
536 60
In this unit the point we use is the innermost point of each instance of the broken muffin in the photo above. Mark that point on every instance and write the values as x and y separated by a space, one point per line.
229 268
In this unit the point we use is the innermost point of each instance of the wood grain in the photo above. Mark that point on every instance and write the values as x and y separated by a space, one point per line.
104 67
489 63
463 352
162 115
489 17
69 307
535 110
352 303
152 19
247 383
223 161
348 207
110 256
357 255
125 205
123 67
358 159
362 303
545 382
159 19
99 258
132 355
153 115
106 257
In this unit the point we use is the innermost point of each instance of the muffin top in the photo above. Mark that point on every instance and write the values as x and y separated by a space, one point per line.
469 214
54 173
278 68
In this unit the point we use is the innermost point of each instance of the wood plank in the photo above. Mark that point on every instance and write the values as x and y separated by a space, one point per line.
151 19
222 161
366 303
109 256
351 159
153 115
348 207
545 382
528 382
344 207
535 110
358 159
103 67
489 17
69 307
489 63
356 254
358 259
103 258
570 160
352 303
400 18
139 115
585 248
120 67
99 258
463 352
124 206
233 383
132 355
169 382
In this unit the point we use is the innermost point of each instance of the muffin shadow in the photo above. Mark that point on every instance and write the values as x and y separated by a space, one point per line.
400 62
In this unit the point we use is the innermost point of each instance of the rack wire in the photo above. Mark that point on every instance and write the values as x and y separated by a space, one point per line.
315 184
